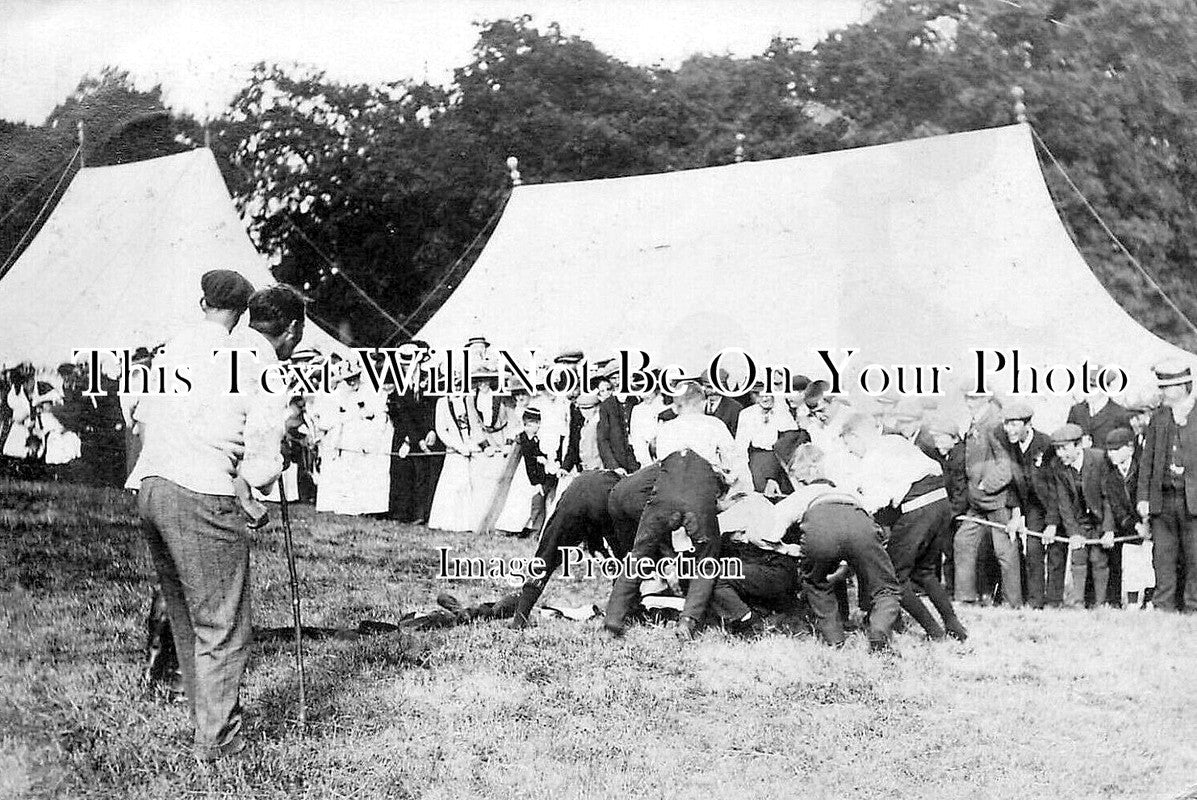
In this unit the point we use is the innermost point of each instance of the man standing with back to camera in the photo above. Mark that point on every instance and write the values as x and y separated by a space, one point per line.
196 445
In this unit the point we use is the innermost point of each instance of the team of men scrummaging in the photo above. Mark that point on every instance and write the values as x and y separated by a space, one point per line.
901 496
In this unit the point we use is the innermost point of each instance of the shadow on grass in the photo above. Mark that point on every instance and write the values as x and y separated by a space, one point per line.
332 667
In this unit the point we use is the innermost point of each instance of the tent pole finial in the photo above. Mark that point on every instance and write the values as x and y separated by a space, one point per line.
513 164
79 128
739 153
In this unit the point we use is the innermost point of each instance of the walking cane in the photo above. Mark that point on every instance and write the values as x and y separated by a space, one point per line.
290 550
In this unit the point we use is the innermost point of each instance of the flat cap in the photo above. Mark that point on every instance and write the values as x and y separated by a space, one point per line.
1119 437
1016 410
588 400
569 356
1067 433
226 289
942 425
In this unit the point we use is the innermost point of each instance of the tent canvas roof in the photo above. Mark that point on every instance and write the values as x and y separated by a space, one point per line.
118 263
912 253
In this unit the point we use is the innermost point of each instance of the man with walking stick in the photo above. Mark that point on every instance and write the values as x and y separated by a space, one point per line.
196 445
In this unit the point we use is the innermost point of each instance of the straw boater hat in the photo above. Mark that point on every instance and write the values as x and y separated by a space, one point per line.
1172 373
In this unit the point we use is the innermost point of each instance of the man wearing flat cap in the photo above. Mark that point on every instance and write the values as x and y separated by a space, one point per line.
940 440
1082 510
1167 490
198 446
1031 453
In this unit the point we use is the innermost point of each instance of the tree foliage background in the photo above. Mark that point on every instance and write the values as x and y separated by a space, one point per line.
376 199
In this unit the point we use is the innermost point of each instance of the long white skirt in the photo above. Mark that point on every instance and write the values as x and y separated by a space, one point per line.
464 491
517 510
15 444
1137 570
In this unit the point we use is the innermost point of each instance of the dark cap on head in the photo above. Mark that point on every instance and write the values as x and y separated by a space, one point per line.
226 289
1119 437
1068 433
1017 410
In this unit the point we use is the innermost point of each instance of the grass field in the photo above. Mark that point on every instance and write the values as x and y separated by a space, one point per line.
1035 705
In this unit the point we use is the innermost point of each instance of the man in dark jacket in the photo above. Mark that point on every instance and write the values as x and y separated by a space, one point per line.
1032 455
1082 510
1167 491
1097 414
612 432
939 438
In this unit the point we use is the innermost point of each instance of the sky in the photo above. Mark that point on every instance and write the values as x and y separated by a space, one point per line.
201 52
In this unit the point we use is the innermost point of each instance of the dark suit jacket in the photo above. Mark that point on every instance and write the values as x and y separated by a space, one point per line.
1031 483
727 412
572 444
1153 467
581 518
530 452
1111 417
613 445
1081 506
1120 494
955 477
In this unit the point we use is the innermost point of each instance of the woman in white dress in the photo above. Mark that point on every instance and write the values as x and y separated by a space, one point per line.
61 446
355 466
16 443
459 428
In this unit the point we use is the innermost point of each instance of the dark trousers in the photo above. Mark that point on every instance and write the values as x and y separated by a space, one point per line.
913 548
1045 565
835 532
413 482
201 551
1045 572
1092 558
626 504
763 465
683 496
1174 533
947 548
1114 588
770 582
428 472
574 523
